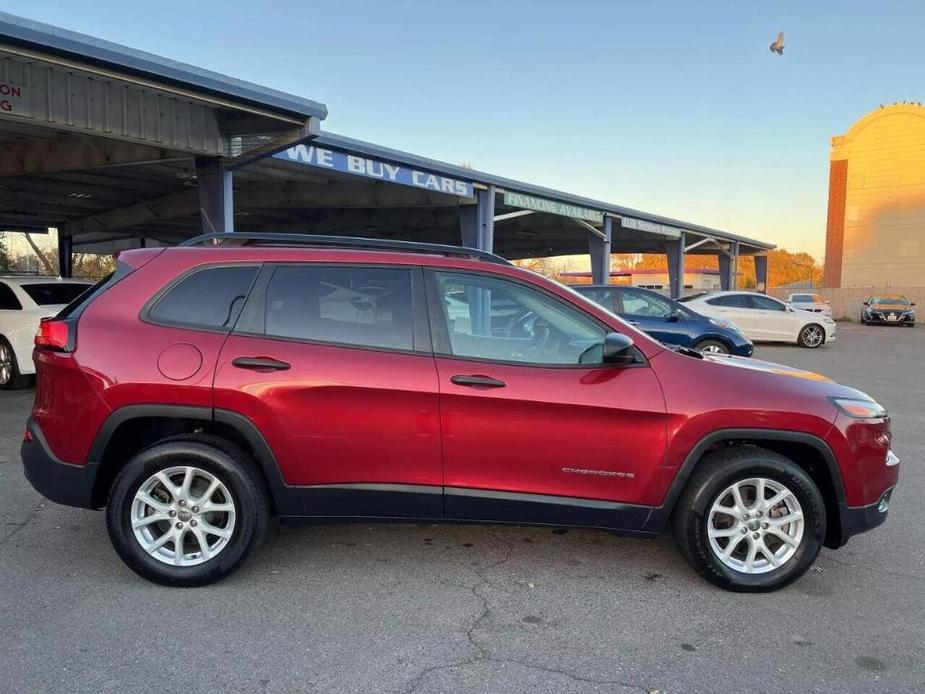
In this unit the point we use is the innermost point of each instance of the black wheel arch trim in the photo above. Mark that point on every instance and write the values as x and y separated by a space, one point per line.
660 514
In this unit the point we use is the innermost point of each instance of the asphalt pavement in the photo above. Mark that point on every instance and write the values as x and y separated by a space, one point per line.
430 608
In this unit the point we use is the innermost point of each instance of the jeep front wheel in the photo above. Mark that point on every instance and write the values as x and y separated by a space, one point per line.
750 520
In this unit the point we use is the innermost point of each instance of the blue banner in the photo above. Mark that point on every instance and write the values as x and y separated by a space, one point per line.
360 165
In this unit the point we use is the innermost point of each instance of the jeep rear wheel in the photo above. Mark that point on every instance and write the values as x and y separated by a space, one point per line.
750 520
187 511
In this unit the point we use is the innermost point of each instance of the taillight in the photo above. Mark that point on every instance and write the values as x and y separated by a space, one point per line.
54 335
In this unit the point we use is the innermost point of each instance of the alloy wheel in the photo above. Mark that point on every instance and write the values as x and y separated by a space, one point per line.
812 336
755 526
713 349
6 365
183 516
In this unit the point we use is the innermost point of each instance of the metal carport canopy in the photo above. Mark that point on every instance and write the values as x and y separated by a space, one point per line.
634 223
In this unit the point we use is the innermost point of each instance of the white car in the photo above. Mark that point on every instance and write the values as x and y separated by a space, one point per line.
810 302
765 319
24 301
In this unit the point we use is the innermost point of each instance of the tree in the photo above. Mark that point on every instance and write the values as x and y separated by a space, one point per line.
784 267
548 267
6 262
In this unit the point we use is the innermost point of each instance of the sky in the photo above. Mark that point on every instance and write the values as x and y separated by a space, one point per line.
676 108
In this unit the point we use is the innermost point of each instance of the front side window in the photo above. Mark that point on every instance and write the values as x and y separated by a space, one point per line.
211 298
766 303
501 320
8 300
362 306
645 304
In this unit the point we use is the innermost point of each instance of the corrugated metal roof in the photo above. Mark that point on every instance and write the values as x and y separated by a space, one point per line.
80 47
348 143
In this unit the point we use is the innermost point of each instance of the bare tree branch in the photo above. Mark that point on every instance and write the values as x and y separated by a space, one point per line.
43 259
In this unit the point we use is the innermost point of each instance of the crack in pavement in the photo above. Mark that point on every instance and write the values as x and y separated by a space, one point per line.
19 526
483 654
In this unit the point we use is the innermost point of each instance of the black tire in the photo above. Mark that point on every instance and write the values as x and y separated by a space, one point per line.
716 346
713 475
803 337
217 456
16 380
863 321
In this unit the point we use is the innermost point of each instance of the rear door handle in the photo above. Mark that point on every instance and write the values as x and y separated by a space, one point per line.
260 364
478 381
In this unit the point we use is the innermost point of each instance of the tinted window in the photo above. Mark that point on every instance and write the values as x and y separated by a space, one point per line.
54 293
8 300
210 298
730 300
766 303
898 300
600 296
645 304
495 319
369 307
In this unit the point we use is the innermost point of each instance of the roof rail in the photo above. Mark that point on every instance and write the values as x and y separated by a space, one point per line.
318 241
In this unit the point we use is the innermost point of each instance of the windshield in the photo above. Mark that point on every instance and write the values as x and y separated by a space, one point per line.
54 293
898 300
807 298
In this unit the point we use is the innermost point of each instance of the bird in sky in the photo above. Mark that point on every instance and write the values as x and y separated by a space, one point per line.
778 45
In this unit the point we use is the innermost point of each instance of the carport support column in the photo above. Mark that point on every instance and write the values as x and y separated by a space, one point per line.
675 251
600 253
761 273
728 267
65 257
477 222
216 196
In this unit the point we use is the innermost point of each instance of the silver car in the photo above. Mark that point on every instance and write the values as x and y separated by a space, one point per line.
810 302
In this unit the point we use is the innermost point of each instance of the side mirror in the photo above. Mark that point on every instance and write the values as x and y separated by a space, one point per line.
912 303
618 349
866 303
673 317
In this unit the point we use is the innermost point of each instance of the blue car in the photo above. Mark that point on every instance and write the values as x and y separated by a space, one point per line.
667 320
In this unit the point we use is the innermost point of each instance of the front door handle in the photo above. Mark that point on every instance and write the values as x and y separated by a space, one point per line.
478 381
260 364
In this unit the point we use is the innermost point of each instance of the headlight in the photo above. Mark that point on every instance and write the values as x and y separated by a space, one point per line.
861 409
827 319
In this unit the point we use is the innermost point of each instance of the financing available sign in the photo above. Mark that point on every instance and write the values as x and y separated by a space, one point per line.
12 100
360 165
563 209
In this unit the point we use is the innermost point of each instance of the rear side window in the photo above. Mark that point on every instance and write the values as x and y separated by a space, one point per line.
362 306
730 300
54 293
211 298
8 300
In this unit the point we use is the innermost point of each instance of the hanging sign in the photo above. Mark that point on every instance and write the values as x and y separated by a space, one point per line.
361 165
563 209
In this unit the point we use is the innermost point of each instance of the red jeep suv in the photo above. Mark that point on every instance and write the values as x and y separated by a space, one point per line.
202 389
